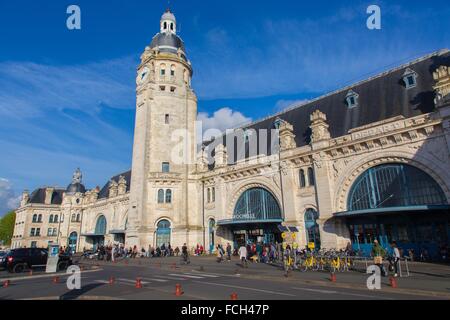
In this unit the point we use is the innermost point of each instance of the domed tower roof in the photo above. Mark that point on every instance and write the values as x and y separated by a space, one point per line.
76 186
167 40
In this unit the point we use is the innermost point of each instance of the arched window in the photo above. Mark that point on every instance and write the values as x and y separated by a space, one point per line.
100 227
171 26
78 217
165 25
212 225
34 217
49 232
172 70
302 178
50 220
312 228
163 69
73 217
208 195
54 232
394 185
213 194
39 218
311 179
163 233
55 218
73 241
160 196
257 204
168 196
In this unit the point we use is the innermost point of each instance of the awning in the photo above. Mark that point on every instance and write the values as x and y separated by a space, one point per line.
391 210
117 231
231 222
92 235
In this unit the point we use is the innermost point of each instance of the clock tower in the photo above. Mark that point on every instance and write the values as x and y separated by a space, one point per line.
164 145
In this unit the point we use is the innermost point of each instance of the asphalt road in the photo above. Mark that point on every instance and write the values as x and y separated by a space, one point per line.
201 280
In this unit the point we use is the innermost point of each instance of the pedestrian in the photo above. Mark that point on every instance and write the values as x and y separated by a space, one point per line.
113 252
396 257
228 252
378 253
243 255
177 251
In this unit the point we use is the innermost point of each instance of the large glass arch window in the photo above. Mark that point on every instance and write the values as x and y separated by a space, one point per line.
394 185
100 227
163 233
257 204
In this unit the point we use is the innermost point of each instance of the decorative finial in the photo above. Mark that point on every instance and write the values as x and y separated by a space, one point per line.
77 176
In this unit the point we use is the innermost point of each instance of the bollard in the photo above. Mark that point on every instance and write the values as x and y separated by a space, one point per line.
56 280
112 280
393 282
178 291
6 284
333 277
138 283
234 296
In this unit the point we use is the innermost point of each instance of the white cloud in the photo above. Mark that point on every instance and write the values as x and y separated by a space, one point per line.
222 119
8 201
29 89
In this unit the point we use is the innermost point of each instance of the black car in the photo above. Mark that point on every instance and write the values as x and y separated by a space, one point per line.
18 260
3 259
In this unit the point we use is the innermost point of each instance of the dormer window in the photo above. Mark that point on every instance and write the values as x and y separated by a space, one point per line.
352 99
410 78
277 123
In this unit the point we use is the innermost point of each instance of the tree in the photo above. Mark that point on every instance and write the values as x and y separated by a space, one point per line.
7 227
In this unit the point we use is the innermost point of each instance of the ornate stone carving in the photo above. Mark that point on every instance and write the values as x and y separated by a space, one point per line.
221 157
319 127
442 86
202 161
287 136
113 188
122 186
77 176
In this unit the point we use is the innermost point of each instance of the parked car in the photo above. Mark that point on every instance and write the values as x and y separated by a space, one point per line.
3 259
18 260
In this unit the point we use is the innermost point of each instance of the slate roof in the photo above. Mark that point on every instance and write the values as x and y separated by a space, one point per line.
104 192
38 196
380 97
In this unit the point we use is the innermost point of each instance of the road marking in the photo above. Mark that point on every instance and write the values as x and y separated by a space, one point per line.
185 275
170 278
157 280
246 288
316 290
203 275
131 281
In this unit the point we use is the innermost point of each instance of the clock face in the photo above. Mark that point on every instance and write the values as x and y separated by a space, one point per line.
142 76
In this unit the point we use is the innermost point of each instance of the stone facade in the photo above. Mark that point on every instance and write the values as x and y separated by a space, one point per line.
163 187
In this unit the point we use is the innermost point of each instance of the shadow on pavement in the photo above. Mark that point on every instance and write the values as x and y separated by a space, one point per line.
75 294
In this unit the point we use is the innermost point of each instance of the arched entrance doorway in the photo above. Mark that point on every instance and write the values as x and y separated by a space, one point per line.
100 231
401 203
256 217
163 233
73 238
312 228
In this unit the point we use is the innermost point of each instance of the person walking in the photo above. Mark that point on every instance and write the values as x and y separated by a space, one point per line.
378 253
228 252
243 256
396 257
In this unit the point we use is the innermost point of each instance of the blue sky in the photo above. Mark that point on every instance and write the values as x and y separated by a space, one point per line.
67 97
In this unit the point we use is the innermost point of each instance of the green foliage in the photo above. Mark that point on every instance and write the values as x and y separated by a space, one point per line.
7 227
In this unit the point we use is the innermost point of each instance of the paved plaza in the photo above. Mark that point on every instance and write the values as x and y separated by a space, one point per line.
205 279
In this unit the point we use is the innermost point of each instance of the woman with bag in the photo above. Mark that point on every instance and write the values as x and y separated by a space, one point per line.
378 253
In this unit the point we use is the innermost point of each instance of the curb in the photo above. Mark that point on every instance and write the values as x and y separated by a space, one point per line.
48 275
